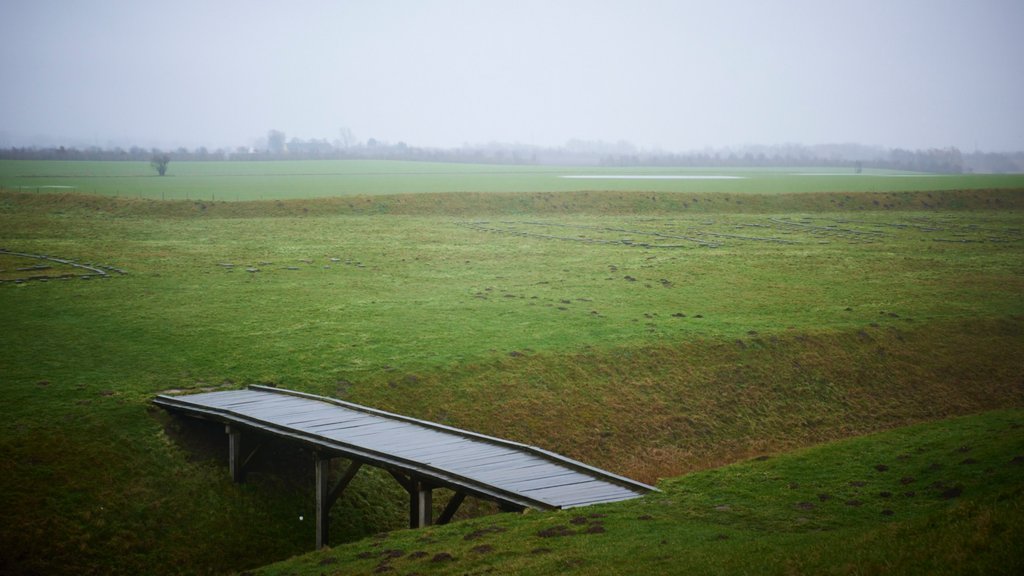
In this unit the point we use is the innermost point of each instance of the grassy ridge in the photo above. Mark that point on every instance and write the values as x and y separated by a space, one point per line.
552 324
220 181
537 203
941 498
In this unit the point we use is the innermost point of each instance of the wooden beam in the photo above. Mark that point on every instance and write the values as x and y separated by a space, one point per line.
347 477
506 506
251 455
404 481
451 508
323 503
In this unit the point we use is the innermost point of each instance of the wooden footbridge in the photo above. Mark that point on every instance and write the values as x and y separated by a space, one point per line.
420 455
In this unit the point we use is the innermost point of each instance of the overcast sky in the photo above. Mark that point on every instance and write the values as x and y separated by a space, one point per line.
676 75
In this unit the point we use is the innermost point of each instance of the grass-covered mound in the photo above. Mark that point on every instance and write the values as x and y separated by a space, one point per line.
939 498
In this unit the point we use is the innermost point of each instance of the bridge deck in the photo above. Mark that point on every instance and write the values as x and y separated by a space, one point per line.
441 456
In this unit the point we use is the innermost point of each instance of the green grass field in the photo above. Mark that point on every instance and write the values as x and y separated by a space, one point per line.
658 334
320 178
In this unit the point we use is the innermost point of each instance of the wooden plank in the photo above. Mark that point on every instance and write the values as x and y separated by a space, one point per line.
575 492
537 481
509 475
567 494
310 423
312 414
481 463
381 428
469 455
606 500
572 487
509 462
409 433
503 469
236 397
597 498
219 398
464 450
420 451
340 430
276 410
343 420
354 435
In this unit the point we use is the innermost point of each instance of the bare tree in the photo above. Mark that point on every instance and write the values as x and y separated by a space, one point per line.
160 162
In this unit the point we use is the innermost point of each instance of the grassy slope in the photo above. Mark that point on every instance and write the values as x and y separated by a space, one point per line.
422 315
941 498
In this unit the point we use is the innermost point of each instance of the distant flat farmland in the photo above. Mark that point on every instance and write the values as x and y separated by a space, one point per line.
279 180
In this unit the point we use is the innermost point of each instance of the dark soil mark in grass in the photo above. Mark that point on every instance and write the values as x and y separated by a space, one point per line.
855 503
824 496
556 532
969 461
887 512
442 557
951 492
537 551
419 554
881 467
482 549
1017 460
858 483
804 506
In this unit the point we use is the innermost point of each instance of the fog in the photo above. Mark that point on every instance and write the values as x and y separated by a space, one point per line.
672 75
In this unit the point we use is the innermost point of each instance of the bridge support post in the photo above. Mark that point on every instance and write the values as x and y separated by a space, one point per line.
327 496
323 505
235 464
420 503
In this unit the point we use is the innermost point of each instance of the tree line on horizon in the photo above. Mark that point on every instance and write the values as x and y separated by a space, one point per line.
574 152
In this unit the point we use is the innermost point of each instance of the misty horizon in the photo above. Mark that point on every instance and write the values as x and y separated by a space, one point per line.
658 75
